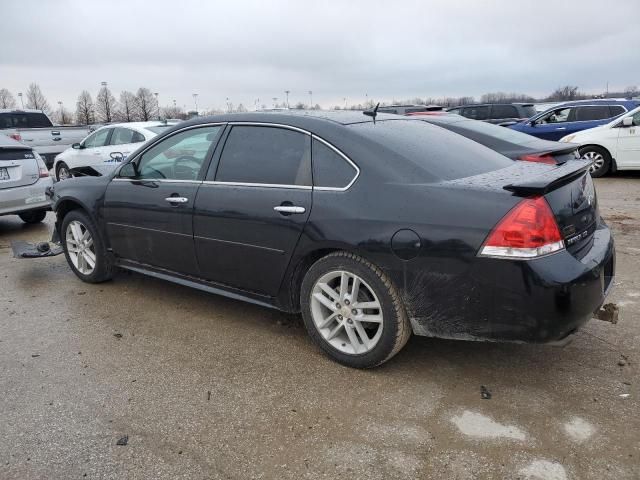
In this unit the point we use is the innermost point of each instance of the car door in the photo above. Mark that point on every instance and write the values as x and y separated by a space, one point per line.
551 125
628 155
123 141
89 152
148 206
587 116
250 212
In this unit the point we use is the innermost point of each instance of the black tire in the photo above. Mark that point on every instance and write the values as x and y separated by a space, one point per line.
33 216
592 152
104 266
59 167
396 328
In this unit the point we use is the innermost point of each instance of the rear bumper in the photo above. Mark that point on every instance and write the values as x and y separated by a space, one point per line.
537 301
22 199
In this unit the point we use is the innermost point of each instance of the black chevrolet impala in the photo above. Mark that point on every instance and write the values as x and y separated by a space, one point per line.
373 228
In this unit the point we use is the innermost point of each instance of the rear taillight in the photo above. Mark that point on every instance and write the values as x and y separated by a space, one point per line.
43 172
544 158
529 230
16 136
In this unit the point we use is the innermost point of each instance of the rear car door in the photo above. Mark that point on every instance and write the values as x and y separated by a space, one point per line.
148 207
587 116
629 144
480 112
250 212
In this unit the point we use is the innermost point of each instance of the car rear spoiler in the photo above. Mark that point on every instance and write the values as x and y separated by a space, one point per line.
550 180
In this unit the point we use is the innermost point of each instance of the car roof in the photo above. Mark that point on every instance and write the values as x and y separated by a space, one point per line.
522 104
20 110
596 101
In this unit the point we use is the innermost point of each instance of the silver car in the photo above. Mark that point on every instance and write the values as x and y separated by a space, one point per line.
24 179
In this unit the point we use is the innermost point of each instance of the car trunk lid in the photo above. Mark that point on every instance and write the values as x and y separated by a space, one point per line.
18 167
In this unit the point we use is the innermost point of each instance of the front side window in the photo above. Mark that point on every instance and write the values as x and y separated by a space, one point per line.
592 112
557 116
97 139
265 155
330 169
636 119
180 156
504 111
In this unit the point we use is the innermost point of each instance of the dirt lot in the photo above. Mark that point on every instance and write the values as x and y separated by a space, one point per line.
206 387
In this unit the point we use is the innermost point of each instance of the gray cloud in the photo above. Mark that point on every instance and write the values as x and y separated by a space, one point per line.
255 49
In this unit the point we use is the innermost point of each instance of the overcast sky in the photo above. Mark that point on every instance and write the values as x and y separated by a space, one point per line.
246 50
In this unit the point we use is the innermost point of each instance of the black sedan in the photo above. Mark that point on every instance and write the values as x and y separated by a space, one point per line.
510 143
373 228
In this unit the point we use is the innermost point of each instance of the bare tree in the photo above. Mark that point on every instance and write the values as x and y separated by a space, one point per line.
146 104
630 91
568 92
174 112
241 108
84 109
106 106
35 99
6 99
127 111
62 116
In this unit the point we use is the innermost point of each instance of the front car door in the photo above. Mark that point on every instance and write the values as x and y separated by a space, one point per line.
551 125
628 155
89 152
148 207
250 212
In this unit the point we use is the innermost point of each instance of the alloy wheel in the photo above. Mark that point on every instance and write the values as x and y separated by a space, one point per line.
80 247
63 173
596 159
346 312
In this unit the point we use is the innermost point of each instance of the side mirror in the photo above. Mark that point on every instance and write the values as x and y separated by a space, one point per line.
627 122
128 170
76 146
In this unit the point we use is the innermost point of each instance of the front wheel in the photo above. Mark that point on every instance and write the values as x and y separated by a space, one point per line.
63 172
84 248
599 158
352 311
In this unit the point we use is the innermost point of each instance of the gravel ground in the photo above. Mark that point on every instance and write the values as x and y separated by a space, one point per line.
203 387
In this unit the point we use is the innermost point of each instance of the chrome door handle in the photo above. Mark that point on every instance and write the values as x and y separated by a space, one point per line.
289 209
177 199
561 128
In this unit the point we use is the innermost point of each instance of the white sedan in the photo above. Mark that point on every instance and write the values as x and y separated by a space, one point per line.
107 145
611 147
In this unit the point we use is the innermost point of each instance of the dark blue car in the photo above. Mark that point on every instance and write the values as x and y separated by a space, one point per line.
571 117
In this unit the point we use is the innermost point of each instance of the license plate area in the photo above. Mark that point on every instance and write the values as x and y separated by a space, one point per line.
4 173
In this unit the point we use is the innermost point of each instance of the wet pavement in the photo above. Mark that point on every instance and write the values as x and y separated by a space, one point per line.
204 387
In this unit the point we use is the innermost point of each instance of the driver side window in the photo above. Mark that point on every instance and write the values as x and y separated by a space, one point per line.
180 156
557 116
97 139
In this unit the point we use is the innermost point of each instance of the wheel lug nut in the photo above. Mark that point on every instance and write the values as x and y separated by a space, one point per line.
338 305
346 302
339 317
349 320
354 311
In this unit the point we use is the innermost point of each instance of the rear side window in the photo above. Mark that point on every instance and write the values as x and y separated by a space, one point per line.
265 155
504 111
125 135
429 152
330 169
455 111
477 113
615 110
592 112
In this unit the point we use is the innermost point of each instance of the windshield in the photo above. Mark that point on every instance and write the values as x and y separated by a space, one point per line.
439 153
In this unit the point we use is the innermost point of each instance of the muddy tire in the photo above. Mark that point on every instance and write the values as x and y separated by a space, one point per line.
352 311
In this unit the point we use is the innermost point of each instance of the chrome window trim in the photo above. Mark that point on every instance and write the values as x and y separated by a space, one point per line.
349 161
535 119
264 185
159 180
276 125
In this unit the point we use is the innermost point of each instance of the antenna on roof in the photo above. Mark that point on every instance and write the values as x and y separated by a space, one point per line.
372 113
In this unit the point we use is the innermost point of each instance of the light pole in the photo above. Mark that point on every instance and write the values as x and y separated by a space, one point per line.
21 101
275 99
255 103
287 94
61 113
195 101
310 100
345 102
228 106
157 105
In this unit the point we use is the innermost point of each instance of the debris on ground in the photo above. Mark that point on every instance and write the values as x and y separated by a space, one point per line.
623 361
208 395
608 313
35 355
123 441
485 393
117 335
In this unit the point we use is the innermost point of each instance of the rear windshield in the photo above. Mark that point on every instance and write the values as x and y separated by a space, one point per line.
439 153
529 110
24 120
159 129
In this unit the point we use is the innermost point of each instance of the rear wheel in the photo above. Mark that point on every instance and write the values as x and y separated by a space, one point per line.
352 311
34 216
599 158
63 172
84 248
